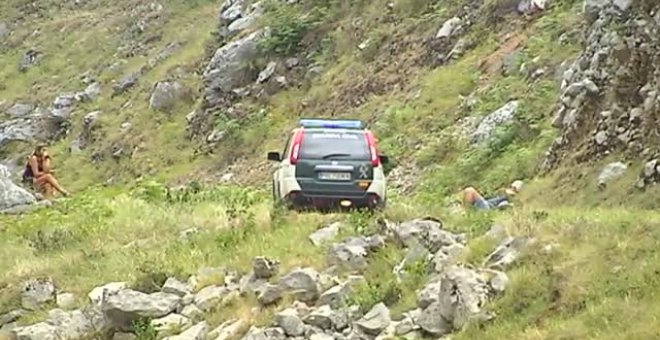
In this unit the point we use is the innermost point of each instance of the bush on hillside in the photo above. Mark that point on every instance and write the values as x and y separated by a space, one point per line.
289 25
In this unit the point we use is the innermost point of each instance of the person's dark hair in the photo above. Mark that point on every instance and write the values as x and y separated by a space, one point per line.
39 148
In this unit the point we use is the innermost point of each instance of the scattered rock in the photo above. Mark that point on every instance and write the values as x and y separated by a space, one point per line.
100 294
267 72
448 28
63 105
36 293
39 331
125 84
66 301
171 324
255 333
290 322
187 233
531 6
376 320
19 110
93 90
351 254
497 280
325 234
176 287
336 295
192 312
227 330
427 232
30 58
265 268
611 172
76 324
210 297
507 252
268 293
165 95
197 332
11 317
303 283
292 62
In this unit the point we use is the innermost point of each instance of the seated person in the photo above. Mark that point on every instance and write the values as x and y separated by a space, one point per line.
38 172
471 197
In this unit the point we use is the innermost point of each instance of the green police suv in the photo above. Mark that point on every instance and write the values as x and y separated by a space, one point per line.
329 163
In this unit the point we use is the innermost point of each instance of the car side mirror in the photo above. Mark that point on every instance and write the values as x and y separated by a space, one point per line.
274 156
384 159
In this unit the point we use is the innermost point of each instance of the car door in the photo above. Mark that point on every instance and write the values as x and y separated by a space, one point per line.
278 175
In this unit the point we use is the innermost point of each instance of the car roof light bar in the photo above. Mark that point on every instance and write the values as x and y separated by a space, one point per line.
331 123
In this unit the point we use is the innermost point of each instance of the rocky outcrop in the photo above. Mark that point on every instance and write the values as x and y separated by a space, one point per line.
609 99
237 15
227 70
39 125
11 195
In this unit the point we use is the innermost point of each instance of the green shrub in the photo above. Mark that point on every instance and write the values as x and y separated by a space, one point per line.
144 330
289 25
368 294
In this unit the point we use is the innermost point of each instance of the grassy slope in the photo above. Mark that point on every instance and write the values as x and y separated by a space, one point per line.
599 283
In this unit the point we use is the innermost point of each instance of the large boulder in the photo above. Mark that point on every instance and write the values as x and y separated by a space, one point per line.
491 122
227 69
304 283
165 95
452 301
126 306
11 195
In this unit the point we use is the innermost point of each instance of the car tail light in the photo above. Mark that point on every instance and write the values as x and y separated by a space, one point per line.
371 141
295 149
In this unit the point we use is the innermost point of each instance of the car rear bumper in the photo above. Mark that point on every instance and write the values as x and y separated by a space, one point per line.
301 199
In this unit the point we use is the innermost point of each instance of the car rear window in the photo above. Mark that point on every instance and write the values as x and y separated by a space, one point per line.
337 145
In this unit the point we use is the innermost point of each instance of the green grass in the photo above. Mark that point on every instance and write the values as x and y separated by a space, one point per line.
597 282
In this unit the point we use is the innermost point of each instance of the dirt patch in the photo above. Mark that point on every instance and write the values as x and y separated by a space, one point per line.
492 64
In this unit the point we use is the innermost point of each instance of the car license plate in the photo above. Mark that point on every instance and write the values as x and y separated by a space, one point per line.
335 176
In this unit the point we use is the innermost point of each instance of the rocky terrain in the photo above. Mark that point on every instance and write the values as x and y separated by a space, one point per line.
321 307
159 115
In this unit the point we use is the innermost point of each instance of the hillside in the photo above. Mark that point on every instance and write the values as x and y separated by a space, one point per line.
159 116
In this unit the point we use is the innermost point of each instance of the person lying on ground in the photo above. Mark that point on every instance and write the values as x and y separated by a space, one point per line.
472 197
38 171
